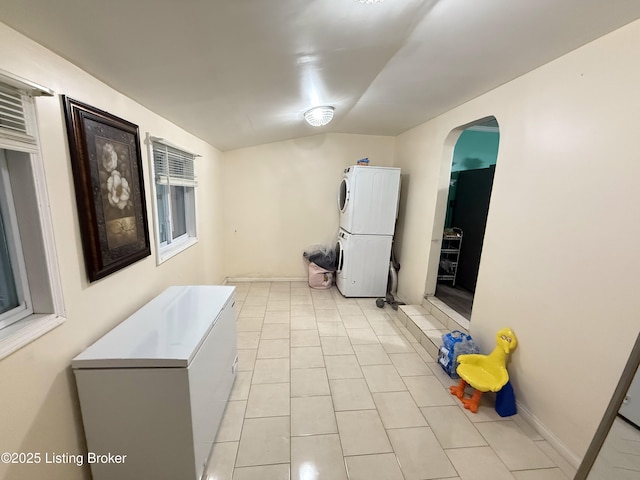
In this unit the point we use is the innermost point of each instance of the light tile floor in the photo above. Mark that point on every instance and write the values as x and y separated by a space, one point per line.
337 389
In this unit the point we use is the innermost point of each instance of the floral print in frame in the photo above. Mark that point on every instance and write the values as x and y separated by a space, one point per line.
107 170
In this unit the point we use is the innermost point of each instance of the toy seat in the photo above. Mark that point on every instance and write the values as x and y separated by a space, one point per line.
485 373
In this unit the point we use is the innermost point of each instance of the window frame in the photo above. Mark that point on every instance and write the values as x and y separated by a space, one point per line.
46 293
171 246
11 230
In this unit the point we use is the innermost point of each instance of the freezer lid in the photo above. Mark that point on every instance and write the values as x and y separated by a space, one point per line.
166 332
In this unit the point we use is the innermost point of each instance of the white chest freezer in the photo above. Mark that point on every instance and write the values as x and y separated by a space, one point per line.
155 387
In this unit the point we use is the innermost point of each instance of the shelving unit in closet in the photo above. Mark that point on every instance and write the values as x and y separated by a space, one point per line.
450 254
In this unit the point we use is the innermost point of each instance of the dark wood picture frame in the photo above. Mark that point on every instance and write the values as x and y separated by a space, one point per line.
108 179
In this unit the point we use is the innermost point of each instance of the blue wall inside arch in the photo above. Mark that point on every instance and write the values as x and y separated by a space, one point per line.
474 149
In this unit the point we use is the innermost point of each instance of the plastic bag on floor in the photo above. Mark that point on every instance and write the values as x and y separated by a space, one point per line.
323 256
319 278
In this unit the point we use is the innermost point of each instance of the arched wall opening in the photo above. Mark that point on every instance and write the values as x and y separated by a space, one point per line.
469 161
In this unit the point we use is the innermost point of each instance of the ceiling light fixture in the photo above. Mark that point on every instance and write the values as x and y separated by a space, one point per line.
371 1
319 116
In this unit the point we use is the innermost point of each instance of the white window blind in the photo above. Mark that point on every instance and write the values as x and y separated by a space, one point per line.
12 115
172 166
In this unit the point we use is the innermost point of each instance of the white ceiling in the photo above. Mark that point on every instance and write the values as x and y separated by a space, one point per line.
241 72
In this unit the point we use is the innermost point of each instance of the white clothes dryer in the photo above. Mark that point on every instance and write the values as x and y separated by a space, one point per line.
363 264
368 200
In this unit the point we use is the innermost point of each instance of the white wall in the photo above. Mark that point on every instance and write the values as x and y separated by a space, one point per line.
38 404
560 258
282 197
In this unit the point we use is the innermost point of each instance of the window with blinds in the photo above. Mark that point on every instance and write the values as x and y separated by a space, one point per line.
173 166
11 111
175 184
15 118
31 302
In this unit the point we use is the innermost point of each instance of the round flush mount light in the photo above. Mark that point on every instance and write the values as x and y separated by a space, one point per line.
319 116
370 1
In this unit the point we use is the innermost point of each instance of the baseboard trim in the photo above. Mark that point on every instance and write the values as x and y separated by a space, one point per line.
263 279
554 441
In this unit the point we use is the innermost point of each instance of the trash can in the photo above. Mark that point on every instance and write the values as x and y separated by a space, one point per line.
319 278
322 265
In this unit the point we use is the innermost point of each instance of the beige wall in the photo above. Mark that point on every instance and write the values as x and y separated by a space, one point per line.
560 259
38 404
282 197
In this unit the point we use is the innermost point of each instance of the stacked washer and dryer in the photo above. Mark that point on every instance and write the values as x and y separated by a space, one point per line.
368 202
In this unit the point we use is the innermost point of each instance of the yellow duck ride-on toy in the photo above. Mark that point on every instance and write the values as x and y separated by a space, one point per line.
485 373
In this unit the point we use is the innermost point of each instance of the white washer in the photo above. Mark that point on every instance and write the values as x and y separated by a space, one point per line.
368 199
363 264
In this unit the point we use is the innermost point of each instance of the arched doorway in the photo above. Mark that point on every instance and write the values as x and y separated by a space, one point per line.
472 167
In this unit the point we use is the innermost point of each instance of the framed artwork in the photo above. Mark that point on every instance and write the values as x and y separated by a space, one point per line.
108 178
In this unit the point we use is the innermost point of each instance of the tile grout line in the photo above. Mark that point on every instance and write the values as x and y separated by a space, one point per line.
395 455
233 471
235 459
386 430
